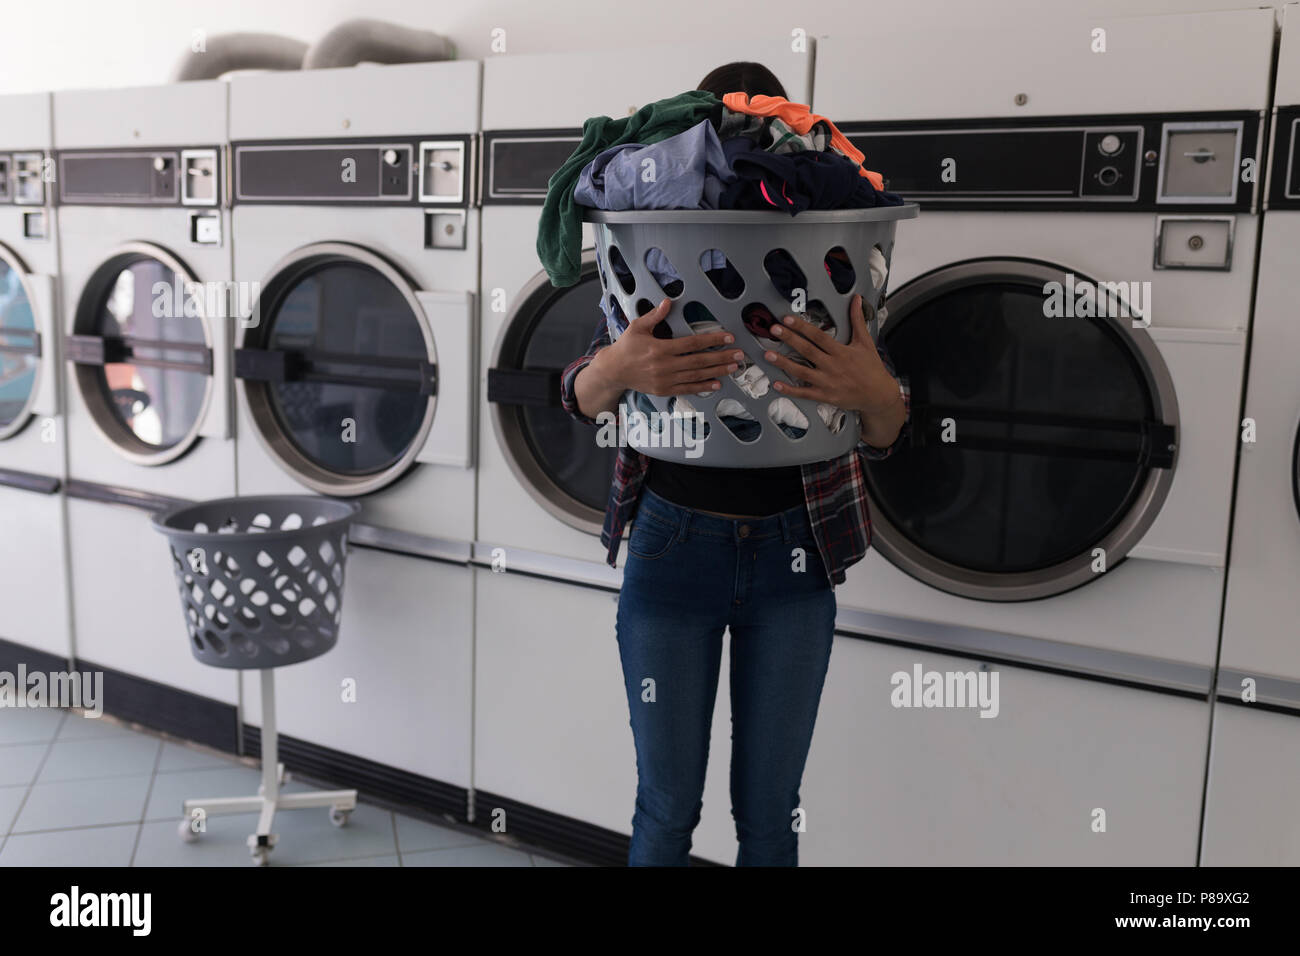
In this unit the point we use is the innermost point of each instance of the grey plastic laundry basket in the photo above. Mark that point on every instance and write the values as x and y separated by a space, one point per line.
260 578
688 239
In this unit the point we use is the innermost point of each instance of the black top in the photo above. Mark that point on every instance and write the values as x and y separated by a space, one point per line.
752 492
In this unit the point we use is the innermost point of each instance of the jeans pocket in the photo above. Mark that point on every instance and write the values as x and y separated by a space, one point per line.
651 538
812 557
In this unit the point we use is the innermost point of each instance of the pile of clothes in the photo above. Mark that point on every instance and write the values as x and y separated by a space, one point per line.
738 152
695 151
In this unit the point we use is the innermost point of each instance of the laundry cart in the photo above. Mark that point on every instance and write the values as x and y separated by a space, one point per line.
261 585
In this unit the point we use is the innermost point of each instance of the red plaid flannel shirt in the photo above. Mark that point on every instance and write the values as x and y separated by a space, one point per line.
835 491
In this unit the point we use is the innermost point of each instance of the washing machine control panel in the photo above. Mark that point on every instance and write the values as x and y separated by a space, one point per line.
131 177
517 165
396 171
23 176
1110 162
1132 162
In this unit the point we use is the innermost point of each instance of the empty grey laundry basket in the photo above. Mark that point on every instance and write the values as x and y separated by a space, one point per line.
740 269
260 578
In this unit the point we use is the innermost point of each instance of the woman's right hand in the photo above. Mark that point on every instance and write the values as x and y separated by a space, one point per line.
641 361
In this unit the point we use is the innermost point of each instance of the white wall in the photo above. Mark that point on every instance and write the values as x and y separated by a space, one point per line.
64 44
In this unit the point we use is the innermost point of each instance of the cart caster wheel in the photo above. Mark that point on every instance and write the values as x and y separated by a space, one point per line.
339 817
186 832
261 855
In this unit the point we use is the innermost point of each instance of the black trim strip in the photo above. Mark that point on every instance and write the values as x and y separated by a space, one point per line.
315 365
168 709
1236 701
524 386
13 654
553 831
100 350
1155 448
26 481
113 495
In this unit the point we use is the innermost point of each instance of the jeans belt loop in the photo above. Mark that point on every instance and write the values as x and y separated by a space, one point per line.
683 522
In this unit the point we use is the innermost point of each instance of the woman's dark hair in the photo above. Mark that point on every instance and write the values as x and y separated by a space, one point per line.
753 79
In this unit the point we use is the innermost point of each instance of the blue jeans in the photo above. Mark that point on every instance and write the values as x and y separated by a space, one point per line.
688 576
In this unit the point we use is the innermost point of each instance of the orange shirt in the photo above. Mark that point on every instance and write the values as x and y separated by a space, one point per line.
799 118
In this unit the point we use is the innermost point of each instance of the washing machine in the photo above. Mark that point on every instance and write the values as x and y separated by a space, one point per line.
33 564
1250 811
1071 310
355 369
146 299
551 719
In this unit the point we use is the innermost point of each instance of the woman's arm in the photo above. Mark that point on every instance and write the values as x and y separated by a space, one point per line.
641 361
594 389
857 376
882 426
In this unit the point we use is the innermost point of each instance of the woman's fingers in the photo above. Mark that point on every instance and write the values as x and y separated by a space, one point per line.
645 324
805 373
861 334
690 388
707 359
709 371
799 341
696 343
802 391
800 326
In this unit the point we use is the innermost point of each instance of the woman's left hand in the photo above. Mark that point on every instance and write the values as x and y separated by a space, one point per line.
849 376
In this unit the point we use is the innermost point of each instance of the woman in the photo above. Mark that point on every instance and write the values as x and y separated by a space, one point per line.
753 551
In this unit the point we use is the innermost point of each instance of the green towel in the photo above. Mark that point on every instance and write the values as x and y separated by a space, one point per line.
559 234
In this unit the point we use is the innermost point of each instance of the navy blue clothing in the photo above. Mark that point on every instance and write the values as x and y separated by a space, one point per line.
795 182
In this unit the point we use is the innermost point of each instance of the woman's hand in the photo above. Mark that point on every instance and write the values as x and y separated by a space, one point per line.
849 376
641 361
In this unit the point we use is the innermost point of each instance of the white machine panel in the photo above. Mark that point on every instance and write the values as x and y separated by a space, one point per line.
33 571
129 617
46 401
406 643
907 786
25 120
1263 601
1287 91
451 319
356 101
619 82
1058 66
192 113
1250 804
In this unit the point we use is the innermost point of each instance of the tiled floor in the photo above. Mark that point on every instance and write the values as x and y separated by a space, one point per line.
76 791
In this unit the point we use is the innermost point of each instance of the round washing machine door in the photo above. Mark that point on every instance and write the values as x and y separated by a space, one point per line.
20 345
142 353
339 369
1042 446
555 458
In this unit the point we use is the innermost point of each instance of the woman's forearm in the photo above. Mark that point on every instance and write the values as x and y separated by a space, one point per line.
881 428
595 389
